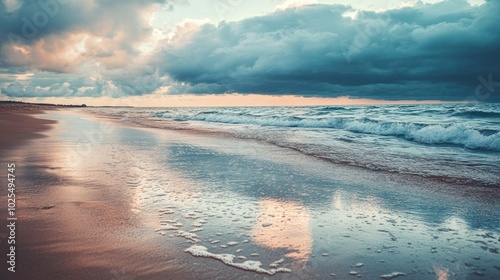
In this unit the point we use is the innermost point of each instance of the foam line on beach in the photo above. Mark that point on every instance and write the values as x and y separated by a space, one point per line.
228 259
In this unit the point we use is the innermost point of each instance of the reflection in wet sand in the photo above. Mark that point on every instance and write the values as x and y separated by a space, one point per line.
441 273
284 225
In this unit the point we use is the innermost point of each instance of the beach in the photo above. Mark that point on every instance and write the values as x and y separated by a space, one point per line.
103 197
231 139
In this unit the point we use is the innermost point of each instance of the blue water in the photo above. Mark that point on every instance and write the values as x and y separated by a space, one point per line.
455 143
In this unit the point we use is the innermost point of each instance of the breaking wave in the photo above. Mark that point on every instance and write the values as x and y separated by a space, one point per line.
455 134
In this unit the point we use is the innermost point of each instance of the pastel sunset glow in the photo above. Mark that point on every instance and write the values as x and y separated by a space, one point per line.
213 100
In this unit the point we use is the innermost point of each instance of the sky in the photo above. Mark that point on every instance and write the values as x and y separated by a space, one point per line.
237 52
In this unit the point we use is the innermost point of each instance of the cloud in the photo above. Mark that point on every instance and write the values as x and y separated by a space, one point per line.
117 84
81 47
288 4
109 48
433 51
107 32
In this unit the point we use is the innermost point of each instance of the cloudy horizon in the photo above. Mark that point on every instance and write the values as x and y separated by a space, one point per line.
397 51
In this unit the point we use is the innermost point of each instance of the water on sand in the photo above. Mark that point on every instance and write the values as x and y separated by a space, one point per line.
229 207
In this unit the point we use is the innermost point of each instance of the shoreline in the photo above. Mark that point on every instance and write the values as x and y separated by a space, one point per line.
111 212
474 188
18 125
66 224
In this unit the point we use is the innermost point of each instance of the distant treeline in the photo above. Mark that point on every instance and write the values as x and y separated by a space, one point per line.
10 102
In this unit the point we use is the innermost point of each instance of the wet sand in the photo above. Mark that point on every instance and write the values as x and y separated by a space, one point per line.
101 200
68 227
17 125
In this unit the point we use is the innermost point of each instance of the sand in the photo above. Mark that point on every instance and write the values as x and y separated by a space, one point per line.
18 124
101 200
66 229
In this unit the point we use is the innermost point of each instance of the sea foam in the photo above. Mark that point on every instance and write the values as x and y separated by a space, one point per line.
228 259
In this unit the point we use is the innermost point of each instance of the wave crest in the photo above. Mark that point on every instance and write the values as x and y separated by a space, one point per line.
456 134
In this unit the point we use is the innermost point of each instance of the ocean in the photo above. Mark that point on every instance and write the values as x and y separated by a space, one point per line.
452 143
376 192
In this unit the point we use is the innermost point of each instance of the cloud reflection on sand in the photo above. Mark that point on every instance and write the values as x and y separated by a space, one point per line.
286 225
441 273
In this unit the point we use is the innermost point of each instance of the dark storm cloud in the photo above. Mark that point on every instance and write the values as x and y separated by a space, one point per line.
424 52
446 51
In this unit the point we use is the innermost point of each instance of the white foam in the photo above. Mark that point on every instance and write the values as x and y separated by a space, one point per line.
277 263
228 259
232 243
168 221
167 227
188 235
392 275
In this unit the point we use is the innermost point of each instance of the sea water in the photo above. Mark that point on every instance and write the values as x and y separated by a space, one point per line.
454 143
261 200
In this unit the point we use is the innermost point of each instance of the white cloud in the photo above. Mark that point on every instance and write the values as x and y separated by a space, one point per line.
290 4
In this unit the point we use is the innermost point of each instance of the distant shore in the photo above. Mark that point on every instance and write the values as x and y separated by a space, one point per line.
19 105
